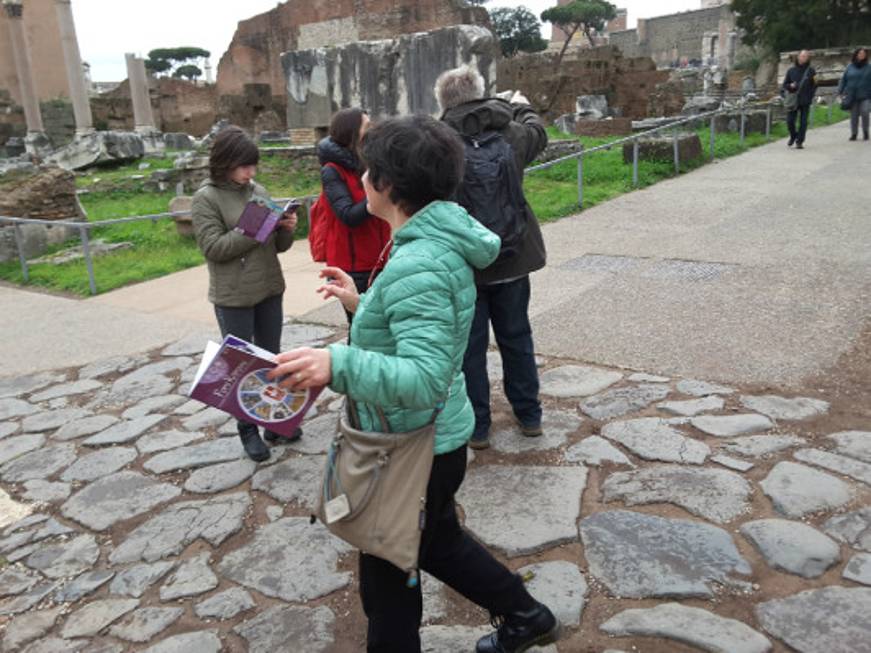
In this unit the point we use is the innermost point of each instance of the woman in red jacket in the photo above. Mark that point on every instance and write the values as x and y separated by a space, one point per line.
356 241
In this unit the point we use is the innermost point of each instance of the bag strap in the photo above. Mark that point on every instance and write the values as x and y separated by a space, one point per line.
803 79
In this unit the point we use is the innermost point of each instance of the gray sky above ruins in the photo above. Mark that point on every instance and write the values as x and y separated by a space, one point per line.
109 28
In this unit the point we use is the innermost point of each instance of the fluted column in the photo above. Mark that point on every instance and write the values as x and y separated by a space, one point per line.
143 116
75 72
21 54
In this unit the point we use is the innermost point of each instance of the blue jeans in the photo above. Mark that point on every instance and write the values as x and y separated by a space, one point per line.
506 306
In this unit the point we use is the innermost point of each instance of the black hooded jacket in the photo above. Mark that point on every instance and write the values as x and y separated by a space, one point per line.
794 76
524 131
338 195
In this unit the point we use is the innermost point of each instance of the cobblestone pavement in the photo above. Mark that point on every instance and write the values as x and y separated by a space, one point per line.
655 515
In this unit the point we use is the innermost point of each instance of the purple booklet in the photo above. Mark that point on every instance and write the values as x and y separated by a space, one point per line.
232 378
258 220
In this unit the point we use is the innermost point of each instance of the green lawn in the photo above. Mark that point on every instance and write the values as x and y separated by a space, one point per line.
158 249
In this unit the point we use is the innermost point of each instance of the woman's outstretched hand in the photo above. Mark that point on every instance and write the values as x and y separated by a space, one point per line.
341 286
303 368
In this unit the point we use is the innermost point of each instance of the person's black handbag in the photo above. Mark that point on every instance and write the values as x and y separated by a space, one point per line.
847 101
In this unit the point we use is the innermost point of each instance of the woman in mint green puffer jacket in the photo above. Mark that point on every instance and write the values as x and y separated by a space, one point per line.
408 339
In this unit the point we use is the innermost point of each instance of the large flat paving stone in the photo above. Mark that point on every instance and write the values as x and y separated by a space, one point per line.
557 426
296 480
652 438
114 365
99 464
166 440
225 605
144 624
577 381
622 401
124 432
27 600
96 616
796 490
853 528
441 639
11 448
757 446
39 464
856 444
318 433
697 388
149 405
52 419
203 641
81 427
836 463
16 386
717 495
196 455
8 428
115 498
28 627
858 569
782 408
692 407
192 578
644 556
269 565
596 451
83 585
214 520
66 558
732 463
521 510
727 426
831 619
15 581
68 389
698 628
10 408
304 335
793 547
41 491
220 477
289 628
204 419
560 586
135 580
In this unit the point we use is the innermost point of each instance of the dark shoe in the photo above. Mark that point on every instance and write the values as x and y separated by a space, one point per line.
531 430
254 446
479 442
854 137
521 631
272 437
799 146
865 136
791 141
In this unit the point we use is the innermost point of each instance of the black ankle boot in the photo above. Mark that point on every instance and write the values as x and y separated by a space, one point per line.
853 137
521 631
865 136
273 437
254 446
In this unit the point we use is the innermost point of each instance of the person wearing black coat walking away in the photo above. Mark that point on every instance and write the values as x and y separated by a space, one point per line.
855 90
356 241
800 80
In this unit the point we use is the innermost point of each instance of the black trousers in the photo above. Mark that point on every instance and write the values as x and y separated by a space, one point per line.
447 552
361 281
801 113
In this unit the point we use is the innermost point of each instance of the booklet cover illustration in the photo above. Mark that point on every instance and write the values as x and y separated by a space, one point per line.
233 377
258 220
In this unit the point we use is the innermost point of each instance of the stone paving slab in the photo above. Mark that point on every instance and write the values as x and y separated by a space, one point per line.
796 490
793 547
727 426
655 439
282 628
856 444
559 585
858 569
834 462
576 381
557 426
853 527
622 401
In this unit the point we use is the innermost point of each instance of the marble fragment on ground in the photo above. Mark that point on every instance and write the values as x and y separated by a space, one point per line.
793 547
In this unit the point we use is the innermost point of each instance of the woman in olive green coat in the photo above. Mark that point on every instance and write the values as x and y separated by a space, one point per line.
246 284
408 340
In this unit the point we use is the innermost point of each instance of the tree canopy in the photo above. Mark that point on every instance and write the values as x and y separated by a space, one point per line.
188 71
518 30
587 15
162 60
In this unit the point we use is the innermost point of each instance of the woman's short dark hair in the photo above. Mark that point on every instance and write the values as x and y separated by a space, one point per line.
345 128
856 54
419 158
232 148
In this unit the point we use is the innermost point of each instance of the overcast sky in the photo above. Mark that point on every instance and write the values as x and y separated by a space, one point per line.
109 28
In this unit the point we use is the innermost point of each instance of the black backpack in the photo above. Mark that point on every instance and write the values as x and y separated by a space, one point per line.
492 191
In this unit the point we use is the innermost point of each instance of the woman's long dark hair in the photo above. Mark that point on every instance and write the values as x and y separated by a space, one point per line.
345 129
232 148
856 56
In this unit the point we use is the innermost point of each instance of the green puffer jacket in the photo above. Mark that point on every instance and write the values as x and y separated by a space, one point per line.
410 331
242 272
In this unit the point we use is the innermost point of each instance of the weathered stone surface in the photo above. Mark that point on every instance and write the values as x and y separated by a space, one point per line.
304 335
858 569
727 426
714 494
25 522
123 432
28 627
595 451
637 555
166 440
218 478
10 408
26 600
190 407
836 463
641 377
162 404
85 426
318 433
793 547
167 533
622 401
196 455
287 628
192 578
128 388
38 464
701 388
577 381
92 618
269 565
693 626
756 446
831 619
441 639
56 645
15 581
69 389
8 428
16 386
854 528
11 448
796 490
560 586
145 623
733 463
522 510
115 498
98 464
204 641
654 439
52 419
116 365
856 444
208 418
794 409
192 345
82 586
135 580
41 491
435 600
225 605
295 480
66 558
557 426
692 407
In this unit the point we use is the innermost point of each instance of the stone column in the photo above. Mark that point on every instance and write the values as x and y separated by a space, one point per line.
75 72
21 54
143 116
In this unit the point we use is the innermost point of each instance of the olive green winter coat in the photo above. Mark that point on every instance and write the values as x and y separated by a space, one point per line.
242 272
411 329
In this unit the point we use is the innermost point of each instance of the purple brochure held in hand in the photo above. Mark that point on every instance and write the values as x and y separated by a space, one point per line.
232 377
257 221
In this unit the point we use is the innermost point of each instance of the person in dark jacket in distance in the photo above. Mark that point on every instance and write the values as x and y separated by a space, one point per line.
801 79
855 86
503 288
357 240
